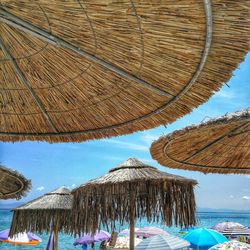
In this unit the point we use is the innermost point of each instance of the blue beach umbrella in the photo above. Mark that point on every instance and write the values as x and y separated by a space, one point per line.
187 230
204 238
163 242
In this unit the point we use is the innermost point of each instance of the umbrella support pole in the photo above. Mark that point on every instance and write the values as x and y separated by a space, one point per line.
132 234
132 223
56 237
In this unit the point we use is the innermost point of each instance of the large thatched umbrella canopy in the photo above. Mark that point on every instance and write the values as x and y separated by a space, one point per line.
219 145
131 191
51 211
72 70
13 185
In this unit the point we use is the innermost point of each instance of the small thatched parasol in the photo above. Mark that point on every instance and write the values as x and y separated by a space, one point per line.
51 211
131 191
78 70
12 184
220 145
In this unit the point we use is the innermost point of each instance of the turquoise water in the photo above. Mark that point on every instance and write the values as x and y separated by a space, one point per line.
205 219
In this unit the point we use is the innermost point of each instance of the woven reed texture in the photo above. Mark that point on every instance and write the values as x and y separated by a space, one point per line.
156 195
101 68
49 212
219 145
13 185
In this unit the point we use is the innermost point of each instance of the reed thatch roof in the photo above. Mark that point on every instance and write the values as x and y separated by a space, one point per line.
78 70
133 189
48 212
220 145
13 185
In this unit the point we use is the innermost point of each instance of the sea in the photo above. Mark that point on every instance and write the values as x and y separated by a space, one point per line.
205 219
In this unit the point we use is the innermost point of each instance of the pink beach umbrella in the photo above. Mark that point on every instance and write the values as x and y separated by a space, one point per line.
227 225
150 231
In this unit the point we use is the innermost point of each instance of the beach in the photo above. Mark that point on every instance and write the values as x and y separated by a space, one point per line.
205 219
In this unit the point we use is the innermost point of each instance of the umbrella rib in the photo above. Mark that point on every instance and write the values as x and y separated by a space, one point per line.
209 31
240 132
17 22
27 85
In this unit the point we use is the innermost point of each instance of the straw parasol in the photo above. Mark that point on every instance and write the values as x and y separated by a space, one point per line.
51 211
13 185
131 191
219 145
73 70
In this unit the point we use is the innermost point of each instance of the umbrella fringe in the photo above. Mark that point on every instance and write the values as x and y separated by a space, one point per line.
103 205
40 220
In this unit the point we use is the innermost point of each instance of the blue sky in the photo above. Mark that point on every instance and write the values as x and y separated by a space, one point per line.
52 165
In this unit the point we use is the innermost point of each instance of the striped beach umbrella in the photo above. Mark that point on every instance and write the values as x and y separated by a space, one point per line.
236 232
51 242
163 242
150 231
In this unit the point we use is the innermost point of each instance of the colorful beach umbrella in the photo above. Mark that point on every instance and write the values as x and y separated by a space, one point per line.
50 212
220 145
51 242
236 232
187 229
20 238
13 185
204 238
227 225
131 191
230 228
88 238
73 70
231 245
149 232
163 242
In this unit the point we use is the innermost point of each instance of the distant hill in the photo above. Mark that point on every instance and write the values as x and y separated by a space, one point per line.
214 210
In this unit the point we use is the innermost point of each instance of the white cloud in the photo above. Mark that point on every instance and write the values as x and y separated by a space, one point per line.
228 94
73 185
246 197
231 196
128 145
41 188
149 137
248 176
